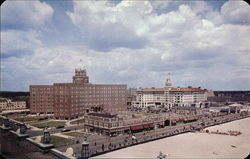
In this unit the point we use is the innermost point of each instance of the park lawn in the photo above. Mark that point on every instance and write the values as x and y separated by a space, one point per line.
74 134
27 119
49 124
15 115
24 117
80 121
57 141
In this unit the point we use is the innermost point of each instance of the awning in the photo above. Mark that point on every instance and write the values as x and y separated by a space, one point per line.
146 125
136 127
151 125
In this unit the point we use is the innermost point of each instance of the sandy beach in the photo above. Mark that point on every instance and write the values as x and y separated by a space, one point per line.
194 145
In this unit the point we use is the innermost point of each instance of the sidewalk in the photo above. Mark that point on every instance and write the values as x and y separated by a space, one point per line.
68 123
64 136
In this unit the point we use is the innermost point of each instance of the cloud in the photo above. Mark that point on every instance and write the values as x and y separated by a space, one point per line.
17 40
23 14
105 26
135 43
160 6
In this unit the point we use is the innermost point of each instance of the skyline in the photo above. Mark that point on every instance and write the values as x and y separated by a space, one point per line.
126 42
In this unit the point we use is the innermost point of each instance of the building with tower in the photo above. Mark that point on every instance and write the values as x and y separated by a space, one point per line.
168 85
170 96
80 76
71 100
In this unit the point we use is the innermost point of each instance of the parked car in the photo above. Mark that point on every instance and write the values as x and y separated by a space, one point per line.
65 130
43 118
60 126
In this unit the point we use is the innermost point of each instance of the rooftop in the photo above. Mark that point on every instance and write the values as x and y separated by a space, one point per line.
104 115
178 89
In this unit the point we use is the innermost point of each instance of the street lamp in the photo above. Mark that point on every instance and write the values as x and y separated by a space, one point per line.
46 136
22 128
85 149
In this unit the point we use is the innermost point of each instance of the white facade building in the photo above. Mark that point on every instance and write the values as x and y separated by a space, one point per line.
3 104
18 105
7 104
169 96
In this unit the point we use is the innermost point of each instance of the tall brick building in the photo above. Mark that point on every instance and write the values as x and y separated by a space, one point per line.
41 99
70 100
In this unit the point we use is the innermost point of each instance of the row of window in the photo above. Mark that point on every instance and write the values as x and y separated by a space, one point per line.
95 92
98 88
41 89
102 124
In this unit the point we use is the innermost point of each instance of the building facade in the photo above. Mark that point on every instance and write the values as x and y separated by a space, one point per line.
114 124
71 100
41 99
131 95
8 104
3 103
105 124
170 96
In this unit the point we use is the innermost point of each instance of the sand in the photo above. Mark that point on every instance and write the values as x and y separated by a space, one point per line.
194 145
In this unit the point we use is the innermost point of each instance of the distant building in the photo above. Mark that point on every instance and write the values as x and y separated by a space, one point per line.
8 104
210 93
3 103
170 96
230 96
131 95
18 105
71 100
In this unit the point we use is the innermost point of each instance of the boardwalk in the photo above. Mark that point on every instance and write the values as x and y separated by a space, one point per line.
194 145
104 144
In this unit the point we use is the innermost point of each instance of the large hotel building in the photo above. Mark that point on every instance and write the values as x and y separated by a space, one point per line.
70 100
170 96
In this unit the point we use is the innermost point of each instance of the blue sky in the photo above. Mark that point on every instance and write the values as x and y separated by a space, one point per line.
201 43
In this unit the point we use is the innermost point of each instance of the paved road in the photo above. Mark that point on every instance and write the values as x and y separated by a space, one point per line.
54 130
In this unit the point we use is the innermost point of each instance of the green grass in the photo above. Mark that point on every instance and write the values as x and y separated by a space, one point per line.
24 117
27 119
56 140
48 123
80 121
74 134
15 115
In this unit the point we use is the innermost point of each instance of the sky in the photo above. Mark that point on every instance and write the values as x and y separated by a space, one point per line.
200 43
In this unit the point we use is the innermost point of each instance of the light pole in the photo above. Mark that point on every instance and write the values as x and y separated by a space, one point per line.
46 136
85 149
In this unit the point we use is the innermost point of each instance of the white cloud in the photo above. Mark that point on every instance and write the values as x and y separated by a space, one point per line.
21 14
121 25
12 40
160 5
130 43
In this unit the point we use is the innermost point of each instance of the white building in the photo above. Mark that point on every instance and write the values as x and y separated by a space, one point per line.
170 96
3 103
18 105
7 104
